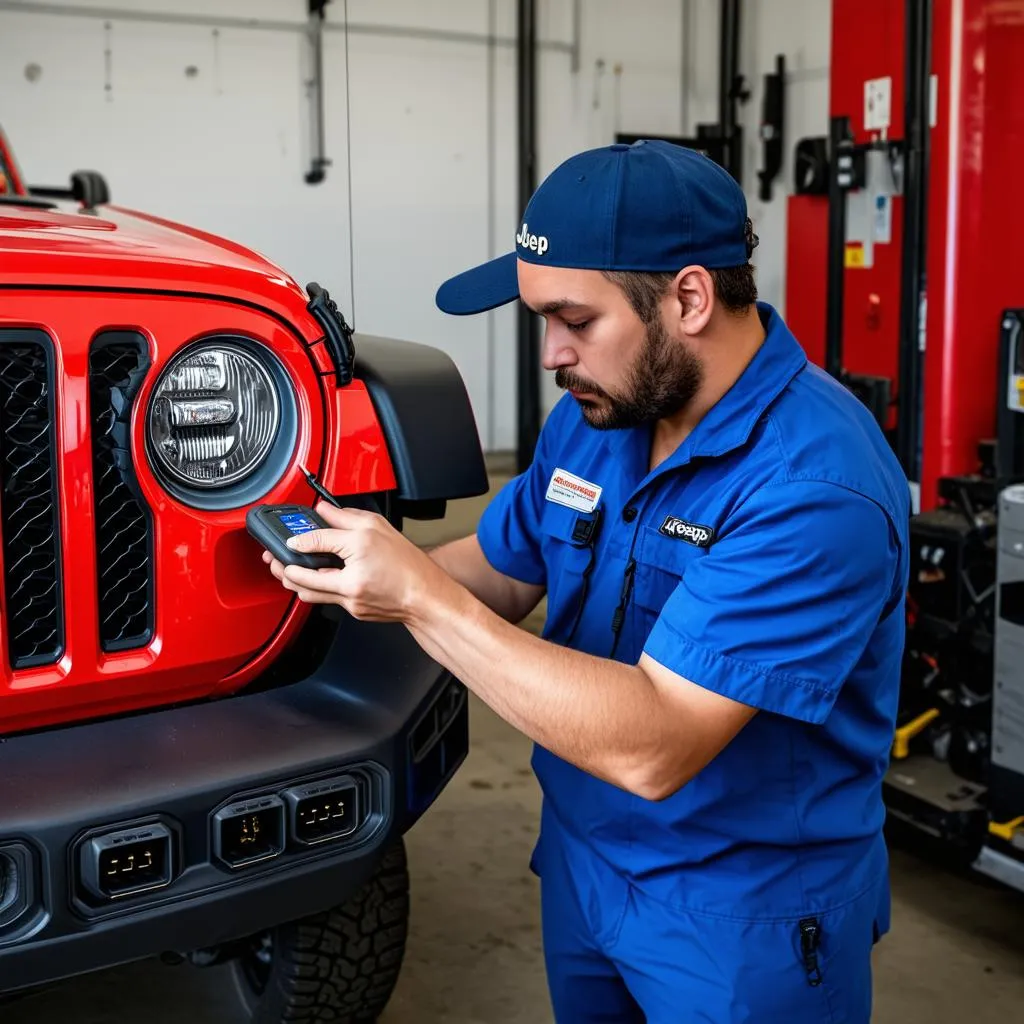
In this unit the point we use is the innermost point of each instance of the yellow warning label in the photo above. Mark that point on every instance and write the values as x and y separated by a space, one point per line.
854 255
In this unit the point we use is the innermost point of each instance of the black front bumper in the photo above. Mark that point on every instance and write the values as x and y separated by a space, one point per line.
379 714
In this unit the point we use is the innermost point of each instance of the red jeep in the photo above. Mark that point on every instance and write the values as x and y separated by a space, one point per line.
191 761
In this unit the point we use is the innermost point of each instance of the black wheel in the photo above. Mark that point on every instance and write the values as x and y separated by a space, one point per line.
340 965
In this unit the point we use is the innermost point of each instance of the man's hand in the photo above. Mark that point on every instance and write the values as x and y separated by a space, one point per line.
386 577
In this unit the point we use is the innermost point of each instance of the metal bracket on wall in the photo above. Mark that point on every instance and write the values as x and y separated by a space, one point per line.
320 162
732 89
772 127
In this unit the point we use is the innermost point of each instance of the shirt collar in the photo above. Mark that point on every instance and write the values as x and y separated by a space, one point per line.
729 422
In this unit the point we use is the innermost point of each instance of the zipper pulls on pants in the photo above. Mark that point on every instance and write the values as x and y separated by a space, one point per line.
810 939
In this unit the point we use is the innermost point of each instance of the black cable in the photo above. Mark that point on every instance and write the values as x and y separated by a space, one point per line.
619 618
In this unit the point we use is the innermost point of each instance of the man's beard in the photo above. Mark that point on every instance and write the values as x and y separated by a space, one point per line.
663 379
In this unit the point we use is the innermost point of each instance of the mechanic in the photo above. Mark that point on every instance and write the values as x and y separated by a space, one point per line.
720 530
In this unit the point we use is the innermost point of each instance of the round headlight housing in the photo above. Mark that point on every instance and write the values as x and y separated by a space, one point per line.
218 413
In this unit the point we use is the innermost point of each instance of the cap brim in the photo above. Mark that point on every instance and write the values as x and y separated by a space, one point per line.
485 287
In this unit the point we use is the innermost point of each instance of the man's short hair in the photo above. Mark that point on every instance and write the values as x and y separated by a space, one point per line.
735 289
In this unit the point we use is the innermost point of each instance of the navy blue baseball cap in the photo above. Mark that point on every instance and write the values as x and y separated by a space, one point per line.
648 206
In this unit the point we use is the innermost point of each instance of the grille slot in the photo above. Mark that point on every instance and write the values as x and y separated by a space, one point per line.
118 361
32 606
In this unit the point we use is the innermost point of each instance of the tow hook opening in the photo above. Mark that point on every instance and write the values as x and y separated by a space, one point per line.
249 832
16 885
322 811
113 865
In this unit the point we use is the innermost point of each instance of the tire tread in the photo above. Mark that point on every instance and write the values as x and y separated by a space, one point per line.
341 966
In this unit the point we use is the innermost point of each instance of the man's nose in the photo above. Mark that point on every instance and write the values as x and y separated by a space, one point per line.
555 352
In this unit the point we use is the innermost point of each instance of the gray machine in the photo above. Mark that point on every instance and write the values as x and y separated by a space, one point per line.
1003 856
1008 693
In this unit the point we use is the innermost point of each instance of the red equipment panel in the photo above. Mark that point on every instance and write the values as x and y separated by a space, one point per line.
806 272
867 43
974 217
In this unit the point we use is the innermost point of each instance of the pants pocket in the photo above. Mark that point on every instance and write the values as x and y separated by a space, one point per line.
688 967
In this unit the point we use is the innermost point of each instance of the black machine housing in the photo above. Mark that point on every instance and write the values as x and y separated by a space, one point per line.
946 713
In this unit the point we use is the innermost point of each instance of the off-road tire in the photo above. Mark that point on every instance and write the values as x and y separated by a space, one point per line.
339 966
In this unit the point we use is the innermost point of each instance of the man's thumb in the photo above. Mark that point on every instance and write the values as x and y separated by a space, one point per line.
314 541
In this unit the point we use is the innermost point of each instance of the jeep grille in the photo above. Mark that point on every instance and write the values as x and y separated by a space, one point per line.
118 361
28 499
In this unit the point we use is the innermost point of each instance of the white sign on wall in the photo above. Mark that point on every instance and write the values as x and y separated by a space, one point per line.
877 104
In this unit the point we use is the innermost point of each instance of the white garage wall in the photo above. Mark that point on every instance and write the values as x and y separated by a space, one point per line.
801 30
433 129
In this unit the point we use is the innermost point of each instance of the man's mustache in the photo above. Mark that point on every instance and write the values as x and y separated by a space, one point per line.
569 381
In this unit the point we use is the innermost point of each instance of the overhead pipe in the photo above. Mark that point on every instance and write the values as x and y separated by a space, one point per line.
278 25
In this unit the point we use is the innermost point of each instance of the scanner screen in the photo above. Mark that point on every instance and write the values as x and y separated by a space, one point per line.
296 522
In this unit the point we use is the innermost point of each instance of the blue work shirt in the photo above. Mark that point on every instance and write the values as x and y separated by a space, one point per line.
766 560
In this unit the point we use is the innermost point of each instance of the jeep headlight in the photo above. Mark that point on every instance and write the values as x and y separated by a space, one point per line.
214 416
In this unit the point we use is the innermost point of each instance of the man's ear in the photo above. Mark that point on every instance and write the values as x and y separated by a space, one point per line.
694 292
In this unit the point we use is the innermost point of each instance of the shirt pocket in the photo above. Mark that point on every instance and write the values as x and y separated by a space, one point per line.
661 564
568 559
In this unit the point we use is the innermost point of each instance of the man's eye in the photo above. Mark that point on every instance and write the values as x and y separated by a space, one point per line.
577 327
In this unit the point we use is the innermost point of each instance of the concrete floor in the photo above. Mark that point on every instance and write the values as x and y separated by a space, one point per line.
956 951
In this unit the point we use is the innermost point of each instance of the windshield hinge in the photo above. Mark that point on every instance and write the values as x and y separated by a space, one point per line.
337 332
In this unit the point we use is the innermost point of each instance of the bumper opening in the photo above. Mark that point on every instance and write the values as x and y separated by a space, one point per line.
127 861
249 832
325 811
17 886
437 745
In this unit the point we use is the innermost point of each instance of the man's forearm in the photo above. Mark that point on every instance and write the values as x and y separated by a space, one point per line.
602 716
464 562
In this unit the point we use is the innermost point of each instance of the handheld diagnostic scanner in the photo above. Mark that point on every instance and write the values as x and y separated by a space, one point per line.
273 525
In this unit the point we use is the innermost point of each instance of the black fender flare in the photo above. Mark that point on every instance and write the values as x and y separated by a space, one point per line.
427 417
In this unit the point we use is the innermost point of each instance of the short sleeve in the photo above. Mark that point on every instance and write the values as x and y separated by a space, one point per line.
781 608
509 529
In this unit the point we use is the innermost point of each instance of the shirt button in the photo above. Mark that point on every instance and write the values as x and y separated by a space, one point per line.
630 514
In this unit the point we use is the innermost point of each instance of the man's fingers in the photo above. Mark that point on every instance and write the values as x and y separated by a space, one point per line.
337 538
316 597
297 579
321 580
322 541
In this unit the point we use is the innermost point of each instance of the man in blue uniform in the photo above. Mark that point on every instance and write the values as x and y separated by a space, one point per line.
721 533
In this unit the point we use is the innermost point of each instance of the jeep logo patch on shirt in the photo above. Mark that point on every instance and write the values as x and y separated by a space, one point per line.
693 533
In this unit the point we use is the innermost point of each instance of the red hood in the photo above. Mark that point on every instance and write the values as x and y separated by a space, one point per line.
124 248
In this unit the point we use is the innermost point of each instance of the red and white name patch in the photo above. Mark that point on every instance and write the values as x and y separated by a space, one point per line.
573 491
